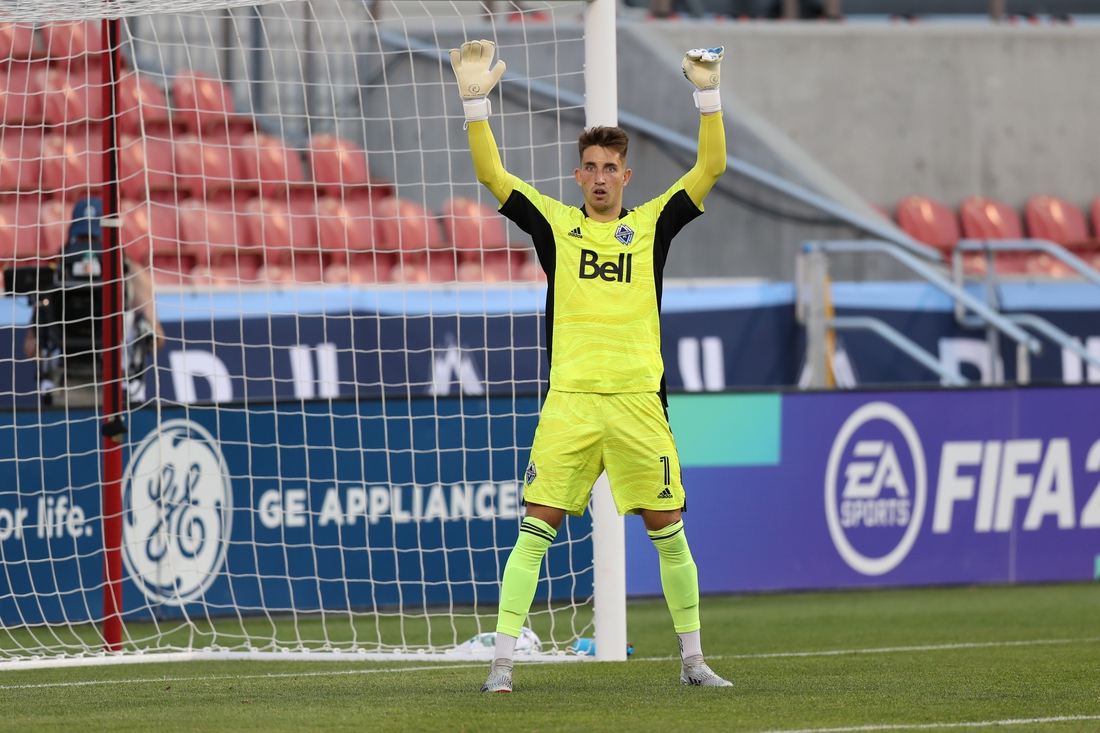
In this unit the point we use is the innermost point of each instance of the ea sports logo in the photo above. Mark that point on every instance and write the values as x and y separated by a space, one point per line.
177 510
876 488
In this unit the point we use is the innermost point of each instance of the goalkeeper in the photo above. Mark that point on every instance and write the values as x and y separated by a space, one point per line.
606 407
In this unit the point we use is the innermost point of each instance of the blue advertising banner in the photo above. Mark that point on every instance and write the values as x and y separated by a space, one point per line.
334 505
848 489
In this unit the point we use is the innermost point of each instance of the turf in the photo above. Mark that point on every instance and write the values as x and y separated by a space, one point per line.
888 672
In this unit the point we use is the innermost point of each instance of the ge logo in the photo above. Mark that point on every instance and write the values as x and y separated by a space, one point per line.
878 459
177 506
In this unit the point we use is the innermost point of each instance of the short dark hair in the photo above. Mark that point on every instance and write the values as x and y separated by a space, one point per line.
612 138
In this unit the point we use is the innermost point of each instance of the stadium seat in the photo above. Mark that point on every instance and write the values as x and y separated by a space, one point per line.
345 228
405 226
53 223
204 168
531 271
22 94
363 273
18 43
986 218
20 159
927 220
265 164
69 43
142 106
1056 220
471 227
340 168
146 168
69 97
19 233
287 231
442 264
215 234
150 234
205 106
72 165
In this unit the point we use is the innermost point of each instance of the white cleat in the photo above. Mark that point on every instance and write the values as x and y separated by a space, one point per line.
695 672
500 677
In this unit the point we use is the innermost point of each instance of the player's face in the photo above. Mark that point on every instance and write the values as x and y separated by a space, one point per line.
602 175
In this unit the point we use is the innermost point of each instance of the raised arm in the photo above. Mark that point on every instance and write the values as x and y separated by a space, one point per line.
702 66
476 79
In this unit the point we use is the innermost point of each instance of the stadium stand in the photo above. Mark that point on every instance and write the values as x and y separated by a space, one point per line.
407 227
341 168
69 167
53 222
1061 222
71 97
71 42
265 165
204 168
19 232
472 228
345 229
18 42
146 168
142 106
22 100
928 221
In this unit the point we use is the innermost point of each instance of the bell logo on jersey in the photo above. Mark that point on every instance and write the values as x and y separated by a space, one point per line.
624 234
609 270
876 488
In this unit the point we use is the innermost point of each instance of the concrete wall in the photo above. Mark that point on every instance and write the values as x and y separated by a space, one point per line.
944 110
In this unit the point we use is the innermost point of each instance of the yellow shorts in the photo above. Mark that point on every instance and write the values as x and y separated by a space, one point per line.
581 434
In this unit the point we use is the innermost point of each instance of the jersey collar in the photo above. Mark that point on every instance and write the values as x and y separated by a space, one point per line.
623 211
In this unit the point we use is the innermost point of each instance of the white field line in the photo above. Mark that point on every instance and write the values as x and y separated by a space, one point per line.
935 726
443 665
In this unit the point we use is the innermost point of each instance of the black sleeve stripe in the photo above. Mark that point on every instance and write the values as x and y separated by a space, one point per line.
526 215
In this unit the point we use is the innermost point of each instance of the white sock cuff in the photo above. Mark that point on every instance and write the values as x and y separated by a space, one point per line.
477 109
708 100
506 646
690 645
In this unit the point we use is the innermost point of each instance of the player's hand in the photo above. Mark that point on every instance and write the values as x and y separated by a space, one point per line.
702 67
471 64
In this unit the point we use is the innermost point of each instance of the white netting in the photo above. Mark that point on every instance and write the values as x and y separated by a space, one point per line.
328 451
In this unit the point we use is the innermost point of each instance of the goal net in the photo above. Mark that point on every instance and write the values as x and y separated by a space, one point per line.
331 348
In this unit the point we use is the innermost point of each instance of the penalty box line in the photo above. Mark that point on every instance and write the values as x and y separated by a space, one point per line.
445 665
940 726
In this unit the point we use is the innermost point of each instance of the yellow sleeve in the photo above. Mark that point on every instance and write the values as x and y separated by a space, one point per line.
711 162
490 170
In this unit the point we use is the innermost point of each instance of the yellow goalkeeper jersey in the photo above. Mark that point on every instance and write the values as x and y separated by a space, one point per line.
604 280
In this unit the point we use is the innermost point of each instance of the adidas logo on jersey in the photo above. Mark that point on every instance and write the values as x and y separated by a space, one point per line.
576 233
666 494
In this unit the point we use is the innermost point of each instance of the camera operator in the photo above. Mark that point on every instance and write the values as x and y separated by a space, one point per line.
69 364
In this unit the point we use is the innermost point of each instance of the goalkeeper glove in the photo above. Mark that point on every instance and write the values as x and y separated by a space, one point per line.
702 67
475 79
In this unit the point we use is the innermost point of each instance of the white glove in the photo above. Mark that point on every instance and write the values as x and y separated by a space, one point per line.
475 79
702 67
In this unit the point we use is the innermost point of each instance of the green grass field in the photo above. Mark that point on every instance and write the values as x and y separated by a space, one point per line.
875 660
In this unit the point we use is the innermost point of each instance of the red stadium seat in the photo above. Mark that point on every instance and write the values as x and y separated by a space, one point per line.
531 271
150 233
340 168
19 233
405 226
72 97
72 165
20 159
204 168
284 230
53 222
22 94
927 220
72 42
366 270
986 218
142 106
345 228
265 164
146 168
205 106
17 42
471 227
214 233
1056 220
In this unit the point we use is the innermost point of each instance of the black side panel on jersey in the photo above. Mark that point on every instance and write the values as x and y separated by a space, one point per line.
679 210
527 217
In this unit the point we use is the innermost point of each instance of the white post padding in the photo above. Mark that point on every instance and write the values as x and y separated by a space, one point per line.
609 574
601 107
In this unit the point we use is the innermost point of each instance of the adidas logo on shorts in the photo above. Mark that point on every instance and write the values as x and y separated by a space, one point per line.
576 233
666 494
